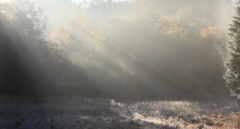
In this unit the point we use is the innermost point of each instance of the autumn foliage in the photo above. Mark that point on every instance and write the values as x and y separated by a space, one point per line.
208 33
77 39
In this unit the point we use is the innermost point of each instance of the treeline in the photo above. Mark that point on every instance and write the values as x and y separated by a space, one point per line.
168 50
32 64
152 49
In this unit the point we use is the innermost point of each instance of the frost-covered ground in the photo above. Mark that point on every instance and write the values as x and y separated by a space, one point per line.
85 113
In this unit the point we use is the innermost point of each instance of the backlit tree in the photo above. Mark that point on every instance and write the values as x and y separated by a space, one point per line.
232 63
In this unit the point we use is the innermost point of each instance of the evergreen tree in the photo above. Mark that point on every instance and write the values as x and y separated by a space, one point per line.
232 62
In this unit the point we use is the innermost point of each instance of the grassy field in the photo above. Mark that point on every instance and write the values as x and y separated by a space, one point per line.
86 113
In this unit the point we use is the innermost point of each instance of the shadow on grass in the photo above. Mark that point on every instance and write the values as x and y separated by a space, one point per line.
56 113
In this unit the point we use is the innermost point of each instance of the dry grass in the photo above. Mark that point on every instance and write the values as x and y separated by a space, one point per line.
89 113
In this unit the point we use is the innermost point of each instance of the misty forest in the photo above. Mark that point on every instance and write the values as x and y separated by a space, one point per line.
119 64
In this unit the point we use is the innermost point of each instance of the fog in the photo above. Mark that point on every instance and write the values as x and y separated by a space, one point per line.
141 49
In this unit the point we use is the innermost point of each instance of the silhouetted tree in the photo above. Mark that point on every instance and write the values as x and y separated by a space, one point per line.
23 52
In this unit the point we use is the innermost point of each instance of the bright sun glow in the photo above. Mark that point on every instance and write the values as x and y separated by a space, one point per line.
4 1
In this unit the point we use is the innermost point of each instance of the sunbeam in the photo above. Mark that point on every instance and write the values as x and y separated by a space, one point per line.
119 64
117 49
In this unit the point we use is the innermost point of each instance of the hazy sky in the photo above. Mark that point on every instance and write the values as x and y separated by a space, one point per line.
104 0
1 1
